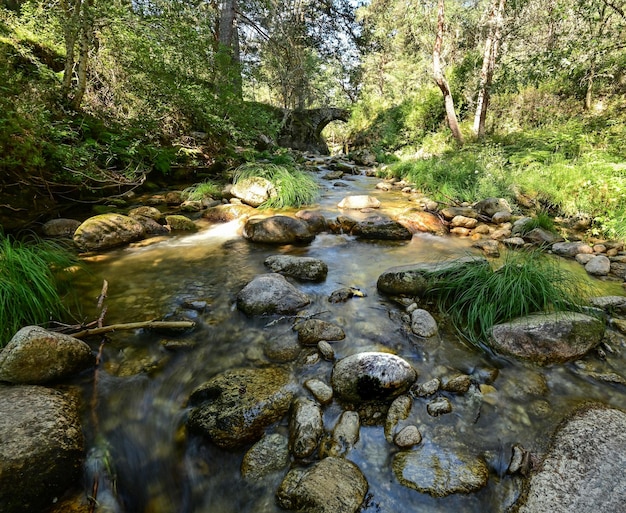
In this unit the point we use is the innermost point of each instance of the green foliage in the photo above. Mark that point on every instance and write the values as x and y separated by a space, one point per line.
294 187
203 190
31 283
541 220
478 297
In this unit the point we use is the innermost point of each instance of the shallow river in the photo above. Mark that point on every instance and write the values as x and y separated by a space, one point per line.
137 409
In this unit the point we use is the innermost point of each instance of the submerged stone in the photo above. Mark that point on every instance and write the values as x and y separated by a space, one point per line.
440 471
270 294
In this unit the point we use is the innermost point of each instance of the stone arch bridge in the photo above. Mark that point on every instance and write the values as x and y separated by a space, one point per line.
302 129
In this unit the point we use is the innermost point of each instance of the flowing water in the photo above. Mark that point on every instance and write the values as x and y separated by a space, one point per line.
135 406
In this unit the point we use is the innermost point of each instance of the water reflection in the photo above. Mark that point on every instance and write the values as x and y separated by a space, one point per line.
142 385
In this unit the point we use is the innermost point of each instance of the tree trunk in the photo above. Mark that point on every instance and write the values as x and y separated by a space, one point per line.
441 79
489 61
86 43
71 9
229 46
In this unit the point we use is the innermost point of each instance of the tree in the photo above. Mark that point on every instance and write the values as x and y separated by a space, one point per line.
492 44
440 78
228 55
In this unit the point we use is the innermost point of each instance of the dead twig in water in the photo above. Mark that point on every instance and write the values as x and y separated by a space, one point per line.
162 325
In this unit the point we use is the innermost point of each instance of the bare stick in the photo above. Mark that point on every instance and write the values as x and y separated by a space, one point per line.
166 325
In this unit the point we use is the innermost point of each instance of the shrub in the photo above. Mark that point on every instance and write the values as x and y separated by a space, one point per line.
478 297
30 283
294 187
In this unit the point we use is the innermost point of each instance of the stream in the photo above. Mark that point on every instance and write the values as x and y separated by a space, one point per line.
137 410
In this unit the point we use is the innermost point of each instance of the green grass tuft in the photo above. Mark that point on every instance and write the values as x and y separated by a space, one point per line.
478 297
200 191
30 284
294 187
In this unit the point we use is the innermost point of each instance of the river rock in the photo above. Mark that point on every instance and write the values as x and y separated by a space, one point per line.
36 356
277 230
540 237
439 471
407 437
548 338
317 222
301 268
269 294
305 427
423 324
345 435
584 469
311 331
571 249
490 247
106 231
427 388
358 202
491 206
333 485
464 222
41 447
180 223
458 384
420 221
451 212
598 265
610 303
439 406
253 191
415 279
380 228
235 407
269 454
372 376
227 213
146 211
60 227
399 410
320 390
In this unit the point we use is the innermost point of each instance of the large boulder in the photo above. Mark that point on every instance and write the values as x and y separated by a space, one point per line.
106 231
253 191
301 268
415 279
234 408
36 356
271 294
278 230
372 376
548 338
584 469
41 447
333 485
440 471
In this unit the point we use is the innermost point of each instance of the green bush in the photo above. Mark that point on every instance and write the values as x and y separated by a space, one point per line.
478 297
31 284
294 187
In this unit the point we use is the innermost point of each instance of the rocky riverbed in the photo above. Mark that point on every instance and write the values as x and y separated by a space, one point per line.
316 378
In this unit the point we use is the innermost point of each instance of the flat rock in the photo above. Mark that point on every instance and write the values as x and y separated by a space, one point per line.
380 228
234 408
571 249
440 472
301 268
583 470
269 454
358 202
271 294
548 338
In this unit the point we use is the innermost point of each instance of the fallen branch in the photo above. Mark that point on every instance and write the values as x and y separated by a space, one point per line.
161 325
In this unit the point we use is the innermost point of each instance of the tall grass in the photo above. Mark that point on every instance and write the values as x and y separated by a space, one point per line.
30 283
202 190
294 187
478 297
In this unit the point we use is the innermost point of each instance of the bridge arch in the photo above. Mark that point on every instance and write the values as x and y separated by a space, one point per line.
302 129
